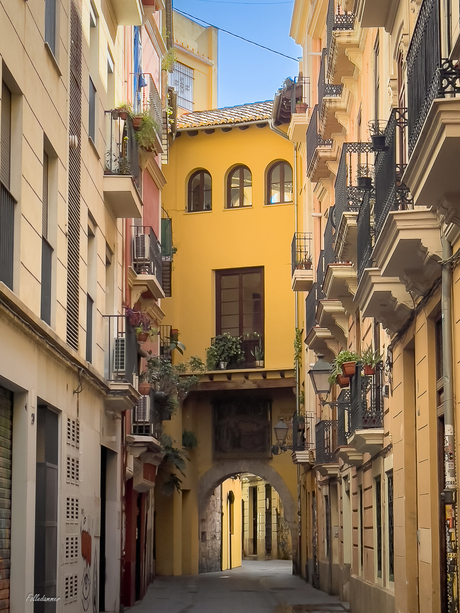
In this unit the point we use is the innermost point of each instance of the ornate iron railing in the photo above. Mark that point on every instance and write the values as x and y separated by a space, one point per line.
364 234
122 156
320 272
310 309
428 75
314 139
301 251
343 417
147 258
329 235
325 89
366 400
326 441
165 341
390 193
348 197
337 20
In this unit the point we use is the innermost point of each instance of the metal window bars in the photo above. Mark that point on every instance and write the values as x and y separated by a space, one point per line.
366 400
147 258
122 156
301 251
326 441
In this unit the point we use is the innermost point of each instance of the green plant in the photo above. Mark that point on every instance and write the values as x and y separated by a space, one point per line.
148 329
174 459
189 440
146 134
171 379
196 364
168 60
336 367
124 167
224 348
258 353
298 347
371 358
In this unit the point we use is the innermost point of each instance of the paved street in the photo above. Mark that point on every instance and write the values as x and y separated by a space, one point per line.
256 587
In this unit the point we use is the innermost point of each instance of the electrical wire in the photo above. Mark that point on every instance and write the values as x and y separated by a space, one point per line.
246 40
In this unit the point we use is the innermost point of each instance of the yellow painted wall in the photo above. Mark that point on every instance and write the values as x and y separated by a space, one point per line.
229 238
231 527
196 47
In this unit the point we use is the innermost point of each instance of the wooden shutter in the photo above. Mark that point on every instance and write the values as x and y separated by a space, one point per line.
73 245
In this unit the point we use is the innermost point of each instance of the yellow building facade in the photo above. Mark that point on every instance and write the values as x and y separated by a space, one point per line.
230 200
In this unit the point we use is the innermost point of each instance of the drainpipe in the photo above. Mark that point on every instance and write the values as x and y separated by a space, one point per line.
448 496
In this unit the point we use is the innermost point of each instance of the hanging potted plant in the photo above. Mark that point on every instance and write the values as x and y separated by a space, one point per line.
146 132
145 332
377 132
300 106
346 362
122 111
370 359
363 173
144 385
343 381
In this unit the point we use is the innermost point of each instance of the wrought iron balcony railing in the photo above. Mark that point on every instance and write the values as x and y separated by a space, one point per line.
390 193
325 89
314 139
320 272
428 75
301 251
121 348
122 156
310 309
147 258
364 234
165 342
348 196
326 441
366 400
343 415
337 20
329 241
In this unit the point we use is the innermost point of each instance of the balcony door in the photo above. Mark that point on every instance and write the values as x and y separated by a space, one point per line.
240 301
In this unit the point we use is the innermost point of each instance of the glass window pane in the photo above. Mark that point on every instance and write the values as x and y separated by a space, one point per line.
229 281
229 295
230 308
253 280
230 321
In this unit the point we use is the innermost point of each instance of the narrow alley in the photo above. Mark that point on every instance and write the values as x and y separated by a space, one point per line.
255 587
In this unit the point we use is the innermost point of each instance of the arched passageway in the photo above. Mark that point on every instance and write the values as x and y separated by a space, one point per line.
229 468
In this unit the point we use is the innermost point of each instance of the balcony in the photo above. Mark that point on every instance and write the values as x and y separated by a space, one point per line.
345 451
326 443
320 151
433 118
149 102
379 14
318 337
329 101
145 275
349 197
120 363
121 172
301 262
299 108
366 412
340 41
128 12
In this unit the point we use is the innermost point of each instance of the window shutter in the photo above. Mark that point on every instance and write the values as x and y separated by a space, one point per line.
5 152
45 307
50 24
7 203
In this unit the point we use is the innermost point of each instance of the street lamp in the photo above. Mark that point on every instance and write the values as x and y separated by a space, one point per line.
281 431
319 376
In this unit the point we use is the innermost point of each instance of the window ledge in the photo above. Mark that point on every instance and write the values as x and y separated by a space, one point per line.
238 208
270 204
198 212
53 58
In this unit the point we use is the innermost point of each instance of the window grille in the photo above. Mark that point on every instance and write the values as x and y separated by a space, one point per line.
182 81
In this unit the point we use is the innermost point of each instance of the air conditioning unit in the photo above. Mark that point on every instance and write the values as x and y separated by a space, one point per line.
141 248
141 418
119 356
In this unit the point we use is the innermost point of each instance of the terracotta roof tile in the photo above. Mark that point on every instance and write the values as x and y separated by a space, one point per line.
256 111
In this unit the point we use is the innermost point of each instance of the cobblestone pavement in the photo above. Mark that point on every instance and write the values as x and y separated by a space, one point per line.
256 587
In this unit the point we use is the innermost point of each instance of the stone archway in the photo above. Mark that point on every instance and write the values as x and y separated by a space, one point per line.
226 468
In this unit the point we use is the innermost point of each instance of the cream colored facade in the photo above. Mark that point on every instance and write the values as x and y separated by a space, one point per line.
66 231
373 522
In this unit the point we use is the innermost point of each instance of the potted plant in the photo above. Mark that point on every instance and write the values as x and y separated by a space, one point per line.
363 173
377 132
300 106
225 348
346 362
144 385
189 440
122 111
370 359
174 342
145 332
258 354
146 133
304 264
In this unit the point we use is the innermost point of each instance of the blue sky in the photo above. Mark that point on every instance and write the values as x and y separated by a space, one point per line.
247 73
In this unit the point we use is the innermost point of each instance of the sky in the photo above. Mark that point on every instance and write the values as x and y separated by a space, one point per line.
247 73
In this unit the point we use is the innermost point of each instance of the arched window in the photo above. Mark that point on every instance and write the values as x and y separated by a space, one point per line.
199 191
239 188
279 183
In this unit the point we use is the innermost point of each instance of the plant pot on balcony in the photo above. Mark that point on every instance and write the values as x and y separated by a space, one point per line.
349 369
222 365
137 120
142 337
259 363
369 370
144 388
364 183
378 142
343 381
301 107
